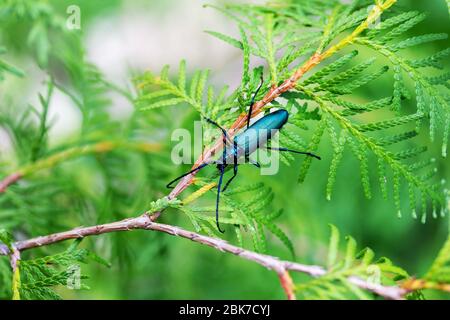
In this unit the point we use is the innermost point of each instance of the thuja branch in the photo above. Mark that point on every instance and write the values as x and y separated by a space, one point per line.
287 85
144 222
51 161
413 73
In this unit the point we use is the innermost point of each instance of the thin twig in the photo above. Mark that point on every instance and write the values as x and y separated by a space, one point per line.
51 161
144 222
287 284
9 180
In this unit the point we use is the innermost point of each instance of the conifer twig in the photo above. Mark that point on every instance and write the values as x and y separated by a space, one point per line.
9 180
52 160
144 222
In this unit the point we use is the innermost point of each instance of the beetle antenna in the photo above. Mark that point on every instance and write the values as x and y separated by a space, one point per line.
169 185
294 151
250 111
225 135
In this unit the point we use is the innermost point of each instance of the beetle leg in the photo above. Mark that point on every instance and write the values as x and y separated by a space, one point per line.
255 163
169 185
235 167
293 151
219 185
225 136
235 170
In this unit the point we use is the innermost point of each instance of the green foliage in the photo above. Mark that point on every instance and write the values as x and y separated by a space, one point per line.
5 67
41 19
335 283
266 27
360 142
159 91
40 276
6 238
430 98
169 93
162 204
246 208
439 272
5 279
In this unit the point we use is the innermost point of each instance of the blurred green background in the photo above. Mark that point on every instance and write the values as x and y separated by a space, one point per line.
124 38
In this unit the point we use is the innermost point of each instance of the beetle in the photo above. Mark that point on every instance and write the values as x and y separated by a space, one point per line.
254 137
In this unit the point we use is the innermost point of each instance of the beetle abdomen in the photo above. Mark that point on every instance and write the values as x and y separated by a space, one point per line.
260 132
273 121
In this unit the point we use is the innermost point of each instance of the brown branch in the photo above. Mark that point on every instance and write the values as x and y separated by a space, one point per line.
14 258
144 222
287 284
9 180
421 284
